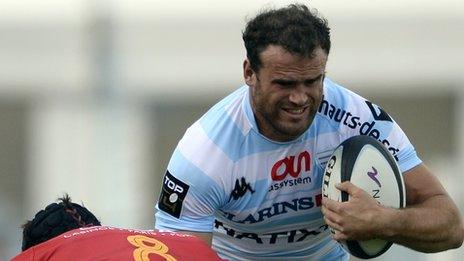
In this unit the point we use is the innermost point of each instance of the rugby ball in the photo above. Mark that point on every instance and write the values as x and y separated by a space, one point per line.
367 164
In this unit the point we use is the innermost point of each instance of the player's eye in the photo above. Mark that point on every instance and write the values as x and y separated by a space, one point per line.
284 83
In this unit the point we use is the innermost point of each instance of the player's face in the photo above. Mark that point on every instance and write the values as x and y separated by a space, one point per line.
286 91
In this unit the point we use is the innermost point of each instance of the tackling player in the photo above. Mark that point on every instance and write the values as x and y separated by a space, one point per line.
68 231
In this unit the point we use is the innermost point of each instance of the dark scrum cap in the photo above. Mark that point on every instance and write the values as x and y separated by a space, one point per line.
56 219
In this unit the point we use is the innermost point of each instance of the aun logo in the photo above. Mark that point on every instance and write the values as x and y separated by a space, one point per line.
286 166
240 189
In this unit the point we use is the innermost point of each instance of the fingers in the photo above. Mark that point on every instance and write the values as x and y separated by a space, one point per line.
347 187
329 203
339 236
330 209
334 210
331 222
334 221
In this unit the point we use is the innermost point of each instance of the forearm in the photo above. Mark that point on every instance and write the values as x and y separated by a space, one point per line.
431 226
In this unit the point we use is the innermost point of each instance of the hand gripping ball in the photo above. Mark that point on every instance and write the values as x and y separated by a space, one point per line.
367 164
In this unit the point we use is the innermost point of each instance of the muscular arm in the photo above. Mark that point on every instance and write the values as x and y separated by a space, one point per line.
430 223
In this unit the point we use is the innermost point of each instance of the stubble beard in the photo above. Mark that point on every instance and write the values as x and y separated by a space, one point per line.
288 130
272 125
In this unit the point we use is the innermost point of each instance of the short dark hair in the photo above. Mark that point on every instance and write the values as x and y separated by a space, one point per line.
296 28
56 219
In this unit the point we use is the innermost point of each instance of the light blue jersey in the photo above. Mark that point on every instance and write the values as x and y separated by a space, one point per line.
261 198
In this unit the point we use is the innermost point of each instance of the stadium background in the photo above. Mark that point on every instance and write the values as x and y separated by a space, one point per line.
95 94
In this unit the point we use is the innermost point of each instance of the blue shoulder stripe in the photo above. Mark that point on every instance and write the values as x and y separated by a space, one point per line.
201 185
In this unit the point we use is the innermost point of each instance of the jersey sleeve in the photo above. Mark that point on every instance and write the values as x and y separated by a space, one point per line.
381 126
353 115
192 188
401 148
377 123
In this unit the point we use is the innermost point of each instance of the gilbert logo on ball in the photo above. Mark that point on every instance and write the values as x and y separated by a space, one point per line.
367 164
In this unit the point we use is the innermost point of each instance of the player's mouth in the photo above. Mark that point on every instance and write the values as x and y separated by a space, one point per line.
295 112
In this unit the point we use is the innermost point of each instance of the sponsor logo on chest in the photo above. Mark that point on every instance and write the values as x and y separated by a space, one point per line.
277 209
287 172
280 237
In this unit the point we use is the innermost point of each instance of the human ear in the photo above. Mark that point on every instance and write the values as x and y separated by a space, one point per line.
248 73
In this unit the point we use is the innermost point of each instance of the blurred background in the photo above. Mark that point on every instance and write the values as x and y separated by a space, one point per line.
94 95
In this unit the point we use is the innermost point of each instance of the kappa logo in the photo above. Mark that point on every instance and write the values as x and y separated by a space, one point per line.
240 189
286 166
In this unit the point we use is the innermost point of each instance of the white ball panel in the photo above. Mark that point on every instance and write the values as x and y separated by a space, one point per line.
374 174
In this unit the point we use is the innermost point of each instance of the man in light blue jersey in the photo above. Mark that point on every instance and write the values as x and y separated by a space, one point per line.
247 176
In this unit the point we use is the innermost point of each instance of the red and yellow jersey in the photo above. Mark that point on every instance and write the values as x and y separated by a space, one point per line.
110 243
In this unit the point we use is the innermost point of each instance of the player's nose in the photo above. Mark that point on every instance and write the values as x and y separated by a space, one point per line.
298 96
